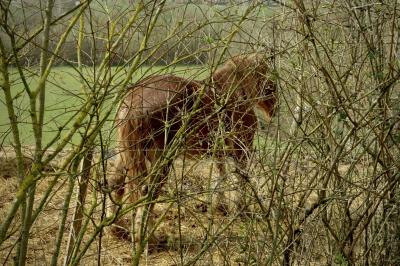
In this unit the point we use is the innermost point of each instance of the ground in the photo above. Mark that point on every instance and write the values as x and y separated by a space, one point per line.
192 218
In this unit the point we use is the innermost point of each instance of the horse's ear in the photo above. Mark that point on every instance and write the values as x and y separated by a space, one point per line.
219 76
225 74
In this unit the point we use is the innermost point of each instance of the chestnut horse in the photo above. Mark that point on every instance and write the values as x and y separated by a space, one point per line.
163 116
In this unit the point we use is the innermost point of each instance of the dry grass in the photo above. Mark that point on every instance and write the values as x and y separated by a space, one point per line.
192 219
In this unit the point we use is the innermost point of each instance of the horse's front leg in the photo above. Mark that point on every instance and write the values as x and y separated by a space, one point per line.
229 189
241 194
222 189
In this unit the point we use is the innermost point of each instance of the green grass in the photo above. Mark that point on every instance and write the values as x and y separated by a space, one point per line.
63 87
64 98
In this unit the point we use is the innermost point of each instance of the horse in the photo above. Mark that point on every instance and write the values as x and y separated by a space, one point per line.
163 116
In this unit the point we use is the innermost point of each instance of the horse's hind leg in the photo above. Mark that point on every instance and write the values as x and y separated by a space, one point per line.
130 169
136 182
117 185
144 220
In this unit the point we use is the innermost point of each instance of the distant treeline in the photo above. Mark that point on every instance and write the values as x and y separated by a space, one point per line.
199 30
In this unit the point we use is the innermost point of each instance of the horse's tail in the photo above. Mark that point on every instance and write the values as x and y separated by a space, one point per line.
132 137
130 163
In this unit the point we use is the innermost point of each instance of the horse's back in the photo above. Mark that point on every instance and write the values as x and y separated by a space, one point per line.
157 92
149 104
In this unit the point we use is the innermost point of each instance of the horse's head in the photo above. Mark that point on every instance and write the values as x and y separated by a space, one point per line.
249 76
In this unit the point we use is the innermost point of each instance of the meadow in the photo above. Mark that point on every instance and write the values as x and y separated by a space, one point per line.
64 96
